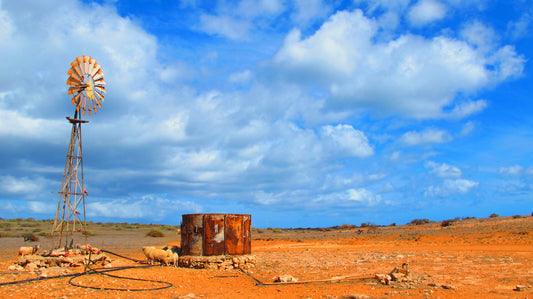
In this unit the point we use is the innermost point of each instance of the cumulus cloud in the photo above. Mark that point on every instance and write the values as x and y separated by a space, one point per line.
225 26
426 136
309 10
410 75
346 140
147 206
468 108
444 170
21 185
426 11
452 187
350 198
512 170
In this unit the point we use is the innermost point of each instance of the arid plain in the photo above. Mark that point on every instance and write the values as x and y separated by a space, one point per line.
463 258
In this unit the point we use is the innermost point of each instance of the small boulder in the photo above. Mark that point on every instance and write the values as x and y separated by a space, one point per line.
285 278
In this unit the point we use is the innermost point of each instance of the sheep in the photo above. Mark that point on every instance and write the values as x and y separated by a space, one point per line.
163 255
28 250
88 248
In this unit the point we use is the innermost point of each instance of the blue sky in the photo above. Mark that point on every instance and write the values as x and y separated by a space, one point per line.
301 113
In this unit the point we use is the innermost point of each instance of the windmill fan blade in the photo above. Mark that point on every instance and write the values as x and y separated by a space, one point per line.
74 68
94 106
95 69
100 81
99 96
73 90
72 73
100 89
76 98
73 81
87 93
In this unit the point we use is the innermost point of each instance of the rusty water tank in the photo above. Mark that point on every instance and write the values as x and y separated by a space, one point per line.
216 234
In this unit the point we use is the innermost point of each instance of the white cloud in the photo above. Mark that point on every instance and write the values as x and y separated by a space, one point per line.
147 206
426 11
427 136
258 8
444 170
346 140
22 185
467 128
410 75
364 197
512 170
479 35
308 10
225 26
349 198
451 187
468 108
520 28
240 77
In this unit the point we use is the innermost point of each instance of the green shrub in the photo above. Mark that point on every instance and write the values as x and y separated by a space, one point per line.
277 230
517 216
155 233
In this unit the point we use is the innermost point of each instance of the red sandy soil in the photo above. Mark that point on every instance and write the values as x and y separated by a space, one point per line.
476 258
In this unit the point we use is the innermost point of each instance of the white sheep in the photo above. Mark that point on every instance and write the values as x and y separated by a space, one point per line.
28 250
163 255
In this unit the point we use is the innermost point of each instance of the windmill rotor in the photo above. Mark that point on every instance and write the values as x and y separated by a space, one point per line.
86 80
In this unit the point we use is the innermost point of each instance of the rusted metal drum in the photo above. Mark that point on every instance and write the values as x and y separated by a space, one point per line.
216 234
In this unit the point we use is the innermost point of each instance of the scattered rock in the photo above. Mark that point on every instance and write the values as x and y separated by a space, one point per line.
384 278
447 286
520 288
285 278
356 296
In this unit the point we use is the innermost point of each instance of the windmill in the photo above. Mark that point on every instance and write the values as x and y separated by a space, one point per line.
86 81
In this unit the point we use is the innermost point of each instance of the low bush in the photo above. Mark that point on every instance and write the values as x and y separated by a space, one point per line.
30 237
367 224
419 221
446 223
494 215
88 233
155 233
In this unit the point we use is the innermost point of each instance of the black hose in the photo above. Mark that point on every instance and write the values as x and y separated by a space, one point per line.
102 271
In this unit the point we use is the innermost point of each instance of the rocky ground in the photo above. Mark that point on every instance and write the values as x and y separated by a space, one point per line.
474 258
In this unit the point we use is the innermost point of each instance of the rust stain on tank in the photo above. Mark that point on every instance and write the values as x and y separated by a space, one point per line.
220 234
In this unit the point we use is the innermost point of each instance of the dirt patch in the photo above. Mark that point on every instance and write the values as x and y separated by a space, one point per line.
476 258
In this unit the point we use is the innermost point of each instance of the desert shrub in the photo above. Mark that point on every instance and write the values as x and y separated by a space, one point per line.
448 222
30 237
367 224
4 235
419 221
155 233
494 215
467 218
517 216
88 233
347 226
277 230
260 231
44 234
393 224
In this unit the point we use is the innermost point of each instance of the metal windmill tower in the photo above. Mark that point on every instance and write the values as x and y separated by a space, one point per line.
86 81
